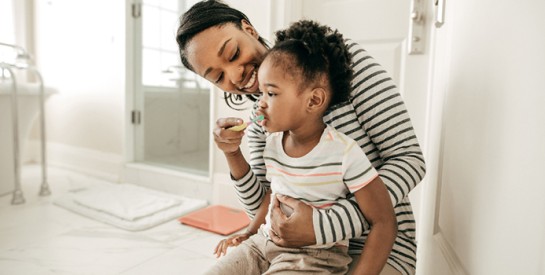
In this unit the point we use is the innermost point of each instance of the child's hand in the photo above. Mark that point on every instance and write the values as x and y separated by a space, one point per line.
234 240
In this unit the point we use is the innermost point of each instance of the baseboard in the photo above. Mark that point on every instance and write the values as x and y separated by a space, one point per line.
454 263
168 180
106 166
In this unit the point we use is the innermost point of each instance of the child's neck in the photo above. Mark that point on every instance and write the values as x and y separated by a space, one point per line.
301 141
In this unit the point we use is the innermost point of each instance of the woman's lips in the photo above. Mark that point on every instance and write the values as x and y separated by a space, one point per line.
251 81
252 85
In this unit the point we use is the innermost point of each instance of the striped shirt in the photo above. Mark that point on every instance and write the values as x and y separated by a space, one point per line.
376 118
333 169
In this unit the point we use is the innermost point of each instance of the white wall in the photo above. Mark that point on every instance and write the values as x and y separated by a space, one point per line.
490 203
80 49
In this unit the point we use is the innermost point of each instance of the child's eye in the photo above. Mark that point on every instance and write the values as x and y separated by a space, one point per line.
237 52
271 94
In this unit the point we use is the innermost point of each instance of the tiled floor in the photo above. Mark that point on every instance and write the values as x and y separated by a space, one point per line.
38 237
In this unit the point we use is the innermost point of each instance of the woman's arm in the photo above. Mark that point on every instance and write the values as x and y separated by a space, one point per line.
229 142
382 114
248 187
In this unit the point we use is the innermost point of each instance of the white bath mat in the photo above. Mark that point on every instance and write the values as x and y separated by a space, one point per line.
127 206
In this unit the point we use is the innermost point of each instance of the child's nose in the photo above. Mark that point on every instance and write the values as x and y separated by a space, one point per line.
262 104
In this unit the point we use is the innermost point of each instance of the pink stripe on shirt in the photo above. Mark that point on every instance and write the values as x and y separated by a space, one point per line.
303 175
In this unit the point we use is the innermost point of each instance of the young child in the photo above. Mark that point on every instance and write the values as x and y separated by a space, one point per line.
301 77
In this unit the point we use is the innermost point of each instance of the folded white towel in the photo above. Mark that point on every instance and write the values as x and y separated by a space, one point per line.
127 206
124 201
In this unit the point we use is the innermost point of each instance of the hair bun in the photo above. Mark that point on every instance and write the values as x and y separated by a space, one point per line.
318 49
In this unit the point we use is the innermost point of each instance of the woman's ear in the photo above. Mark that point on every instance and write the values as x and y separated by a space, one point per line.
317 99
247 27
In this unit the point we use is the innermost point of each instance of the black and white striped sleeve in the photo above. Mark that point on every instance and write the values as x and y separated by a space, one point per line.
382 114
251 188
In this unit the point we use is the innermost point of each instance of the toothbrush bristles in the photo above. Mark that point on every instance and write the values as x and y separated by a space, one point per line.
258 118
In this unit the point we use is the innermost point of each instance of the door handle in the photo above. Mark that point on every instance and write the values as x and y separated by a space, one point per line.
417 27
439 13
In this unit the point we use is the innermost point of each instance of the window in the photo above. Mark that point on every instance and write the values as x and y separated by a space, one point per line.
161 66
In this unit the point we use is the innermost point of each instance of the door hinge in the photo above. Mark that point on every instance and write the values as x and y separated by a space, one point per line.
135 117
136 10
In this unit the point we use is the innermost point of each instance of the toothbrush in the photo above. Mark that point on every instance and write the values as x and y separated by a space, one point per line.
245 124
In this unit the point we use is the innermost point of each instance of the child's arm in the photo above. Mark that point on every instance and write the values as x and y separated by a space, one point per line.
260 215
376 206
254 225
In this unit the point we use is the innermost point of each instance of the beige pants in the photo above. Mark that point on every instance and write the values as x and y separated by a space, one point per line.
387 270
258 255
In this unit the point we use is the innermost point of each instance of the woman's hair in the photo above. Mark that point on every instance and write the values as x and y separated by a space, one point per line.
201 16
316 51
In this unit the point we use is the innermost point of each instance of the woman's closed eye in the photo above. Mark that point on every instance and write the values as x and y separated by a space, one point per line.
235 55
233 58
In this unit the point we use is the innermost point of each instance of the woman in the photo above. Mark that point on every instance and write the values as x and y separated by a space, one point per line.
220 44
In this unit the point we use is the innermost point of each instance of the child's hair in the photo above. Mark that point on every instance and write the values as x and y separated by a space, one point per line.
201 16
317 51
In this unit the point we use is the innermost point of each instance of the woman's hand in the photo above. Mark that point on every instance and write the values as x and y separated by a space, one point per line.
234 240
228 141
297 230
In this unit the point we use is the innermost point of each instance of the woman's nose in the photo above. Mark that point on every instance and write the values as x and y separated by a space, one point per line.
236 75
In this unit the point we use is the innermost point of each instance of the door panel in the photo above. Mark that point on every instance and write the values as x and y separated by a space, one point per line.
357 20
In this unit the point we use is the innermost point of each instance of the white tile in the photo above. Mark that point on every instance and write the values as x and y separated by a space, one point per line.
176 261
85 251
39 237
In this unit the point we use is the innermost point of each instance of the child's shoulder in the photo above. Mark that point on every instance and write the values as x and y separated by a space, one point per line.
332 135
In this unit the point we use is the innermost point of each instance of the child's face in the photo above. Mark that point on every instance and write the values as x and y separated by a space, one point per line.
283 102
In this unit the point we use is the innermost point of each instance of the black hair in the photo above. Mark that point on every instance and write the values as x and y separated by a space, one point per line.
201 16
317 51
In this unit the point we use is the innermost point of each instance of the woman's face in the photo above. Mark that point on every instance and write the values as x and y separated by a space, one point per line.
228 57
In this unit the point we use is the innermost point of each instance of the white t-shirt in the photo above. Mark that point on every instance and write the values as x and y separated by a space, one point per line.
335 167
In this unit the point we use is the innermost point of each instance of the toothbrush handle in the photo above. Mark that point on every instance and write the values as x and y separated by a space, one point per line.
243 126
238 128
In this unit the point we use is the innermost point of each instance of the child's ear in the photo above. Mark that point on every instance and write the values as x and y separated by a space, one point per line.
317 99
